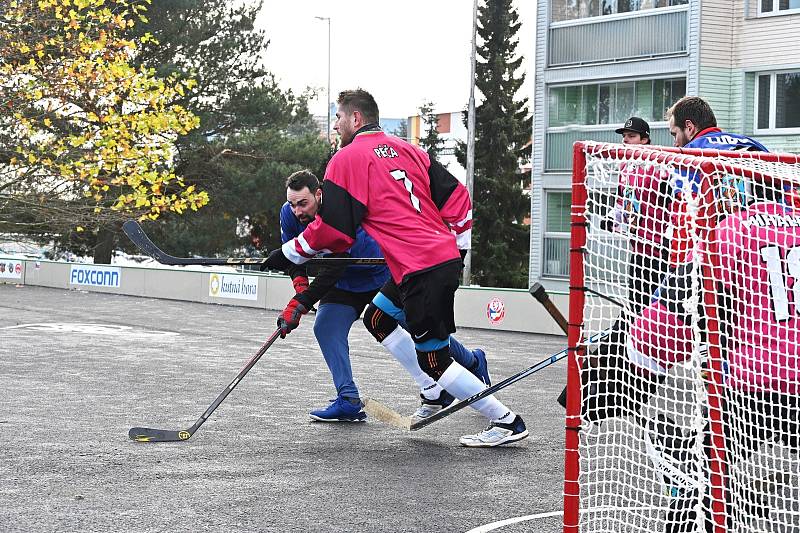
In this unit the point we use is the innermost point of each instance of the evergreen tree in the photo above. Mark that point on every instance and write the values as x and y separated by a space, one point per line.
401 130
500 242
431 142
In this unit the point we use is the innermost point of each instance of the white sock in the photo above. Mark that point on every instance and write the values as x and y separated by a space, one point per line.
459 382
401 346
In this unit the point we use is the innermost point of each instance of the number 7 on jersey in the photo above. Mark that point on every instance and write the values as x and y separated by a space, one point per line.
401 175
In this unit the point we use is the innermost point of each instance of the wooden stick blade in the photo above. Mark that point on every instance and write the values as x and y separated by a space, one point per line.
386 414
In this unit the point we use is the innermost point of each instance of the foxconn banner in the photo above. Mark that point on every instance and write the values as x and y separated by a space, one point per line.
10 269
228 286
94 275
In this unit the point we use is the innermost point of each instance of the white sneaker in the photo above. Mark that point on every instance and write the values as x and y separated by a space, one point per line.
497 434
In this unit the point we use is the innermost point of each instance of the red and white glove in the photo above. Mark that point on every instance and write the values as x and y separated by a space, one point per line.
290 317
300 284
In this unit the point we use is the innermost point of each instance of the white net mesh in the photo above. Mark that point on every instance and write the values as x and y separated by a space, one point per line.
671 242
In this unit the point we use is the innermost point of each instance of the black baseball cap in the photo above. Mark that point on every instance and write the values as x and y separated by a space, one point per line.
636 125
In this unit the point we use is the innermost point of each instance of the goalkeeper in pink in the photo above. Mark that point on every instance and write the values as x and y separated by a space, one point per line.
758 276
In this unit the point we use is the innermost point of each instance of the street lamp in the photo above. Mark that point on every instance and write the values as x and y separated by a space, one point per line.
467 273
328 101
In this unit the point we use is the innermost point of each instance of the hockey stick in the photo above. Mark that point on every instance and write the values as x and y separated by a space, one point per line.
165 435
672 476
385 414
538 292
137 235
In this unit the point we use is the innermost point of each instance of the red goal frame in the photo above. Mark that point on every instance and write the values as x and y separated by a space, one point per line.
578 238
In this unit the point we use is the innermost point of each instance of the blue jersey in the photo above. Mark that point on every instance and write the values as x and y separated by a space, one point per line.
355 278
716 139
687 181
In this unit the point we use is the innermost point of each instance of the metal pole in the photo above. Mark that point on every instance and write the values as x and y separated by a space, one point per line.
328 94
328 102
471 133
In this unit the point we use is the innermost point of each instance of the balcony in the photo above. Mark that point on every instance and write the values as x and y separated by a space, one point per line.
556 255
644 34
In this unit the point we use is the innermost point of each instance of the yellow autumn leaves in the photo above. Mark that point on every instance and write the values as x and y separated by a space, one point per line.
79 112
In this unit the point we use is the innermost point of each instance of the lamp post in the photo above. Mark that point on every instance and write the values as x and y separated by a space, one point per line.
328 96
467 275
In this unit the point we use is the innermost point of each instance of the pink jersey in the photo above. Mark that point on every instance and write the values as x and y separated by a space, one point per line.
759 251
409 204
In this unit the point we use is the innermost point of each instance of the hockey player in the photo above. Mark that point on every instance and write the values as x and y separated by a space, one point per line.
692 124
759 260
641 213
343 293
409 204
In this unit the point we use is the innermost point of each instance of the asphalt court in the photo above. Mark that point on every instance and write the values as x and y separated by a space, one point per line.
78 369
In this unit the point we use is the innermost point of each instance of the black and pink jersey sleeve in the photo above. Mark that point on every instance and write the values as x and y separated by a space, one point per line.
452 199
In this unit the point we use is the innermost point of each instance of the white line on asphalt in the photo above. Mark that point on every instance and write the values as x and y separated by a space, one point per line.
508 521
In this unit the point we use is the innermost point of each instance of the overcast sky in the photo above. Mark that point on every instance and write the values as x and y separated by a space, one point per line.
404 52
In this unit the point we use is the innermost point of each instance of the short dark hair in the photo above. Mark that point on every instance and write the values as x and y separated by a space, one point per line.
302 178
361 101
695 109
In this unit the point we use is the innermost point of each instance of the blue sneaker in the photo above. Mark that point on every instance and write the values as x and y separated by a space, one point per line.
430 407
340 410
481 369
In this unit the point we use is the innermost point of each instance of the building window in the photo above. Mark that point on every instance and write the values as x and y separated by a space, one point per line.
613 103
776 6
579 9
778 101
556 234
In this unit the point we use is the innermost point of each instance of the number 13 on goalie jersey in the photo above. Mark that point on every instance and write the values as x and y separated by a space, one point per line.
411 205
759 258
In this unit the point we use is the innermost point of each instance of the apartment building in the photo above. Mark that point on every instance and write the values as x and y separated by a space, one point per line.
599 62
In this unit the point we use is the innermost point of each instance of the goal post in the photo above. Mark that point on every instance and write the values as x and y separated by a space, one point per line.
685 416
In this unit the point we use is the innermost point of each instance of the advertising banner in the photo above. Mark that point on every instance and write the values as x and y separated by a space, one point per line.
233 286
95 275
10 269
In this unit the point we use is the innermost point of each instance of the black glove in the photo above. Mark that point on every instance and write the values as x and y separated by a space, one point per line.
275 261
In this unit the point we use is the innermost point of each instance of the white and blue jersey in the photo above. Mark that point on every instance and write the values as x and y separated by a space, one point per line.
686 181
716 139
355 278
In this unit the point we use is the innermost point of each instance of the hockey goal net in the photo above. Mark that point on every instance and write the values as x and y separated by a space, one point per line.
684 373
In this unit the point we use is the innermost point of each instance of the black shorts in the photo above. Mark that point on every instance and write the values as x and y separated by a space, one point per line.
428 299
356 300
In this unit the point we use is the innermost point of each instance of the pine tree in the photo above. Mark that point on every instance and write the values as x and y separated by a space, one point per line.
401 130
500 241
431 142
